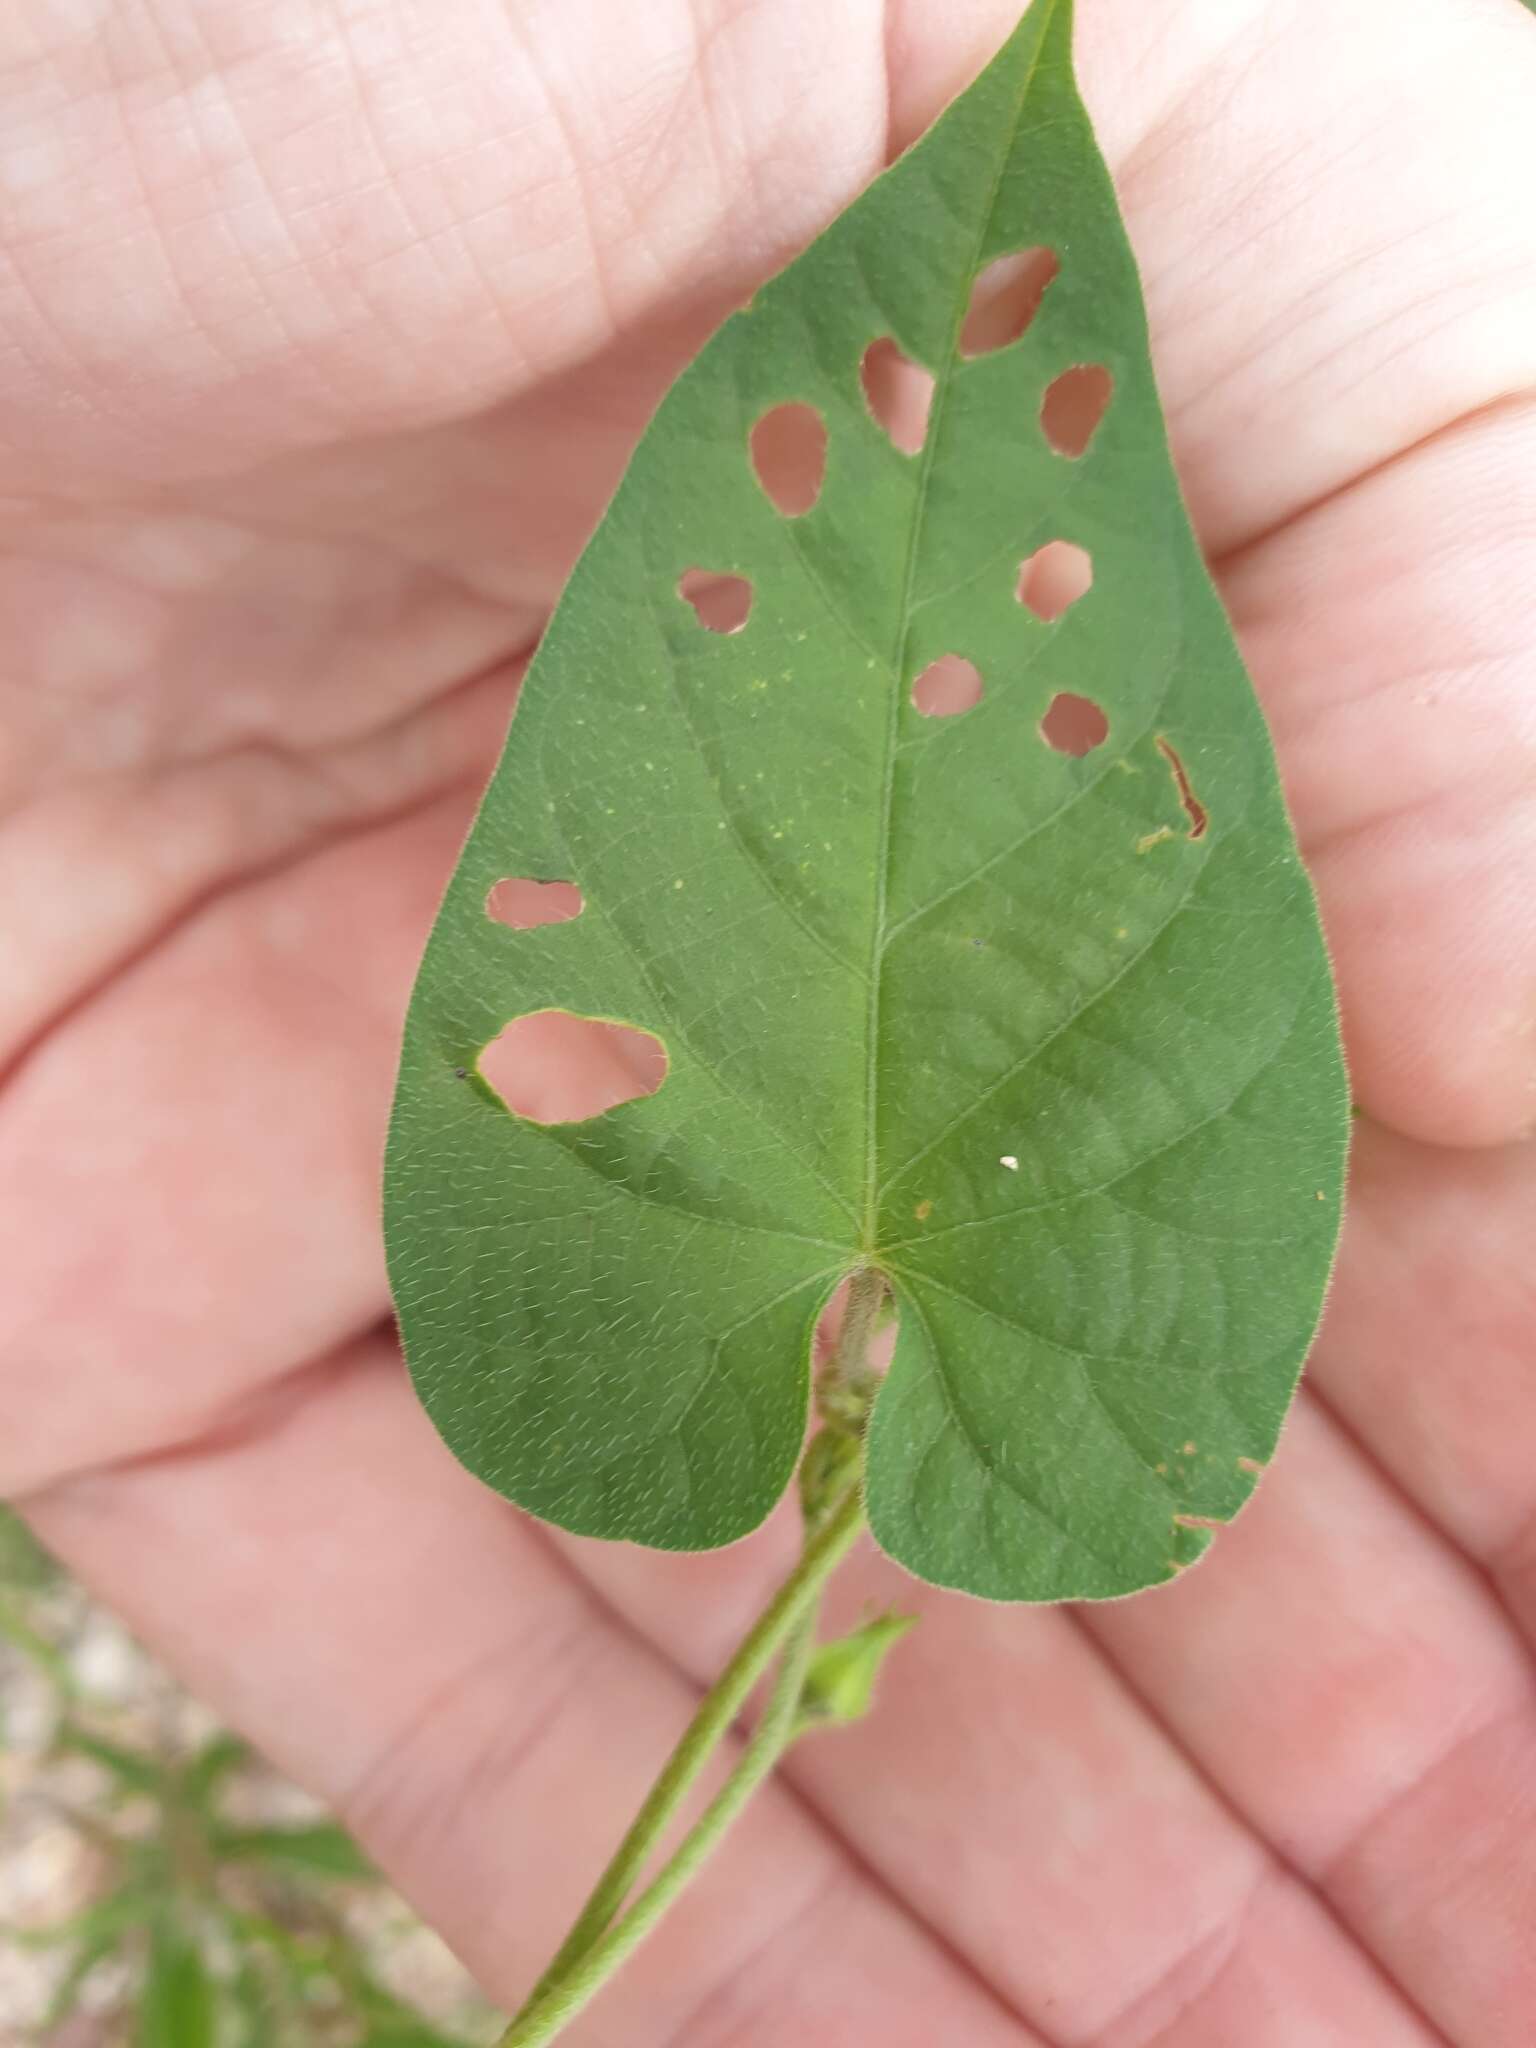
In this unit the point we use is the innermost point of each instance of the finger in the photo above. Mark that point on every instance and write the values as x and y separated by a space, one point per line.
1390 636
189 1160
1017 1794
367 257
1353 1689
412 1650
357 227
1427 1353
1332 268
103 861
189 1164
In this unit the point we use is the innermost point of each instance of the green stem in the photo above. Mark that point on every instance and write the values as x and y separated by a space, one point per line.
565 1992
847 1385
831 1497
716 1714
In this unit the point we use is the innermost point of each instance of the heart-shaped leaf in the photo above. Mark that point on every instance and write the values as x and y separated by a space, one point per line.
906 790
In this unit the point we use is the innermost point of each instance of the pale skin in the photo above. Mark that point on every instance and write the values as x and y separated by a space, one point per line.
324 328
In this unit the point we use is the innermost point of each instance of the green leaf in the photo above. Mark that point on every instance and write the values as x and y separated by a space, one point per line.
840 1685
410 2037
94 1934
320 1849
27 1569
24 1564
302 1957
204 1774
255 2007
19 1634
70 1988
176 2005
111 1917
131 1769
409 2034
1046 1035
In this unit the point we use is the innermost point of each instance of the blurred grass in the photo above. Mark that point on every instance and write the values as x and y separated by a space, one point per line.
160 1885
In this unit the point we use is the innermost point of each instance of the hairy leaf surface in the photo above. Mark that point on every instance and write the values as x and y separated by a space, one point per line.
1021 998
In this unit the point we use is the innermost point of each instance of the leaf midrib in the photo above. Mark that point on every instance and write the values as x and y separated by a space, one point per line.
943 379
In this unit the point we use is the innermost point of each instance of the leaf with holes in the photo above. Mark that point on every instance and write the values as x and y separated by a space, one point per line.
925 900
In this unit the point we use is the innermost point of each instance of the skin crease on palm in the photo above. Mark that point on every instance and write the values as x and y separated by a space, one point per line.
325 327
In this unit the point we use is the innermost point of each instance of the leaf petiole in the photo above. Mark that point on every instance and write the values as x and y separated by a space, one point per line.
595 1949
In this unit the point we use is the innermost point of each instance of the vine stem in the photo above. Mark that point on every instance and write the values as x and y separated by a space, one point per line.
563 1992
597 1944
847 1386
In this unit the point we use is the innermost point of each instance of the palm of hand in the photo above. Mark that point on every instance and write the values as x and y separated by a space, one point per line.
375 310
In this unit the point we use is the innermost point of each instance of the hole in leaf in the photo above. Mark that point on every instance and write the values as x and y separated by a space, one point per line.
1073 406
1005 298
722 604
789 457
557 1068
947 686
898 393
1199 817
1074 725
523 904
1054 578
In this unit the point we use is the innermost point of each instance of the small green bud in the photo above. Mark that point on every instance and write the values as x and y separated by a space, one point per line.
840 1684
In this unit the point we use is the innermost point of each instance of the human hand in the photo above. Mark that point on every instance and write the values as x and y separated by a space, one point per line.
328 329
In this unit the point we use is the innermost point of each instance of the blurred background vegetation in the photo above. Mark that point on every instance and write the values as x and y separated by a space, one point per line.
160 1886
